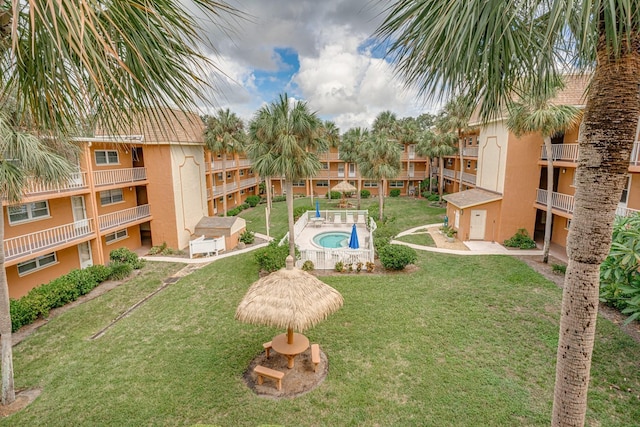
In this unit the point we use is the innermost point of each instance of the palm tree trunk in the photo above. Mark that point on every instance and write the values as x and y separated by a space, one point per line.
269 195
8 391
441 178
380 201
461 159
609 126
224 184
549 217
359 189
289 197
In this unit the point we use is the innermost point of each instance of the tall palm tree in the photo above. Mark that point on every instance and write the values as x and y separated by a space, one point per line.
292 135
538 114
330 133
258 152
350 148
379 159
224 134
65 63
455 118
517 44
436 144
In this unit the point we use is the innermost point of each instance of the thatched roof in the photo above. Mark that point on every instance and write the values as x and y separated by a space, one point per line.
344 187
288 298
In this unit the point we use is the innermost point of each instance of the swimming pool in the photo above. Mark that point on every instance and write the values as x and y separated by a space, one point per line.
332 239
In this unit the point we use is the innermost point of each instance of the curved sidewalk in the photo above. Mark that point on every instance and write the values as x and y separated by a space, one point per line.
473 247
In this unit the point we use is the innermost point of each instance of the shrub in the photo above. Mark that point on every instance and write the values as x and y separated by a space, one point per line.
253 200
247 237
383 236
334 195
433 198
520 240
276 199
370 266
395 192
448 231
120 270
126 256
100 272
339 267
308 265
244 206
23 312
559 268
299 211
84 280
158 249
233 212
365 194
397 257
272 257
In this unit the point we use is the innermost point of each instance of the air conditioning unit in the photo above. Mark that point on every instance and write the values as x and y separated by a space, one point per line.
219 175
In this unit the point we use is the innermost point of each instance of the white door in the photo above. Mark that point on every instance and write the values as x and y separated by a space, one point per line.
80 222
477 226
412 170
412 151
84 252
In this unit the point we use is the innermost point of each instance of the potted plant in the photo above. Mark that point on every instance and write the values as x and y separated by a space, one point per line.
449 233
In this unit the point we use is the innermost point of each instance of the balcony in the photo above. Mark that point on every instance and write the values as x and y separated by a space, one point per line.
123 217
119 176
244 163
32 243
449 173
469 178
623 211
248 182
77 181
564 152
559 201
324 157
470 151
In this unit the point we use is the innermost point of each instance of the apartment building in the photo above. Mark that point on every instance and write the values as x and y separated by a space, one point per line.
414 169
504 180
142 189
240 183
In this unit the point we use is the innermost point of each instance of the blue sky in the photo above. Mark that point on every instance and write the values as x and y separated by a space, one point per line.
321 52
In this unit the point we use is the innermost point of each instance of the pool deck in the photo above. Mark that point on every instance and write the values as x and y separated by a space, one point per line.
304 240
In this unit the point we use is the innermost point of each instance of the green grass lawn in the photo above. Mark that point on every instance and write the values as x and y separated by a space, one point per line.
423 239
463 341
403 212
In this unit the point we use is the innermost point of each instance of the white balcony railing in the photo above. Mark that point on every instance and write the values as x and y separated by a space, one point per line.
469 178
470 151
47 239
78 180
119 176
449 173
624 211
635 154
123 217
248 182
244 162
559 201
566 152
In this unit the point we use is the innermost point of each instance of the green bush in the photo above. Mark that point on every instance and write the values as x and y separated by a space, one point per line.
433 197
84 280
339 267
299 211
395 192
247 237
383 236
276 199
334 195
308 266
253 200
100 272
23 312
126 256
559 268
397 257
233 212
365 194
272 257
520 240
120 270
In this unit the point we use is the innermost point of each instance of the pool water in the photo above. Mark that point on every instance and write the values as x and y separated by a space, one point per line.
332 239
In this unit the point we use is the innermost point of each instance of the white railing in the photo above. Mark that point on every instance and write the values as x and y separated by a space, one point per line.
123 217
449 173
470 151
217 190
209 193
323 157
244 162
469 177
559 201
248 182
635 154
624 211
567 152
46 239
77 181
119 176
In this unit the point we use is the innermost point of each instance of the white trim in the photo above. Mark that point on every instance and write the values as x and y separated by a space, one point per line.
106 157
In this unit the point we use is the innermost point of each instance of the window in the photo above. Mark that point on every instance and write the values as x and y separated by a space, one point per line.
241 172
300 183
106 157
229 175
241 192
370 184
109 197
116 235
229 196
28 212
322 183
625 191
449 162
36 263
396 184
325 165
568 224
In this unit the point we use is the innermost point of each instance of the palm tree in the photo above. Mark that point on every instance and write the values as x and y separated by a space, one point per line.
292 135
455 118
225 135
258 152
379 159
330 133
350 148
436 144
519 47
530 114
64 64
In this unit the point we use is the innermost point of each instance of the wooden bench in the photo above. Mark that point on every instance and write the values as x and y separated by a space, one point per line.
315 356
267 348
263 371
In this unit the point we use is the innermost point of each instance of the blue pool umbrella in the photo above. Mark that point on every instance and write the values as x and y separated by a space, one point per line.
317 209
353 241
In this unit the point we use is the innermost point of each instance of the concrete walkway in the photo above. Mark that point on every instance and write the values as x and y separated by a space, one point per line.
476 247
